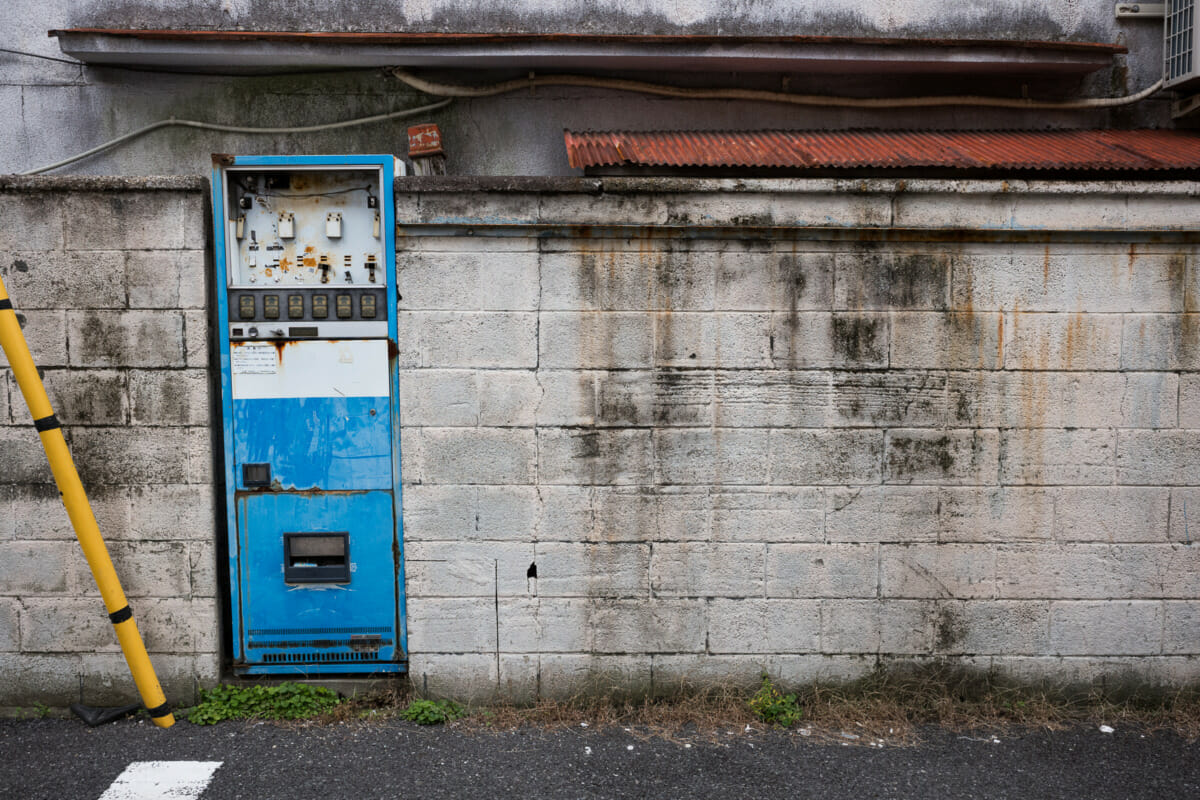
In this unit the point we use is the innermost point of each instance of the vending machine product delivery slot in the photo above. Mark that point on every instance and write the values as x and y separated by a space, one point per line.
307 324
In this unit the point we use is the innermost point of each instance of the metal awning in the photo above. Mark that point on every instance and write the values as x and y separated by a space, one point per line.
1060 150
284 51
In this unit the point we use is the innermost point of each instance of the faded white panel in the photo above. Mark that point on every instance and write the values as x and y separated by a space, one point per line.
305 226
355 368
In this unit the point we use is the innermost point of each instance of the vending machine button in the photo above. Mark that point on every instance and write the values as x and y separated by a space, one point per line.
320 306
246 306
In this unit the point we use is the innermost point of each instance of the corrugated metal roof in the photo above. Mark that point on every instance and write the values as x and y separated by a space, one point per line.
1096 150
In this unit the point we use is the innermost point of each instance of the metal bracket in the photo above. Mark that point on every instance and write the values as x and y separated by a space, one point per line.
1141 10
1185 107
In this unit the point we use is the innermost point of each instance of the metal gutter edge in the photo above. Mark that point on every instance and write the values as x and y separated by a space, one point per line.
433 37
282 51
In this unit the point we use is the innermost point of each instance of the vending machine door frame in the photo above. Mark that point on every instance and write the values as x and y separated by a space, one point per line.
223 231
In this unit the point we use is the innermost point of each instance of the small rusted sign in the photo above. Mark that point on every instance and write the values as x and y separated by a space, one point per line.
424 140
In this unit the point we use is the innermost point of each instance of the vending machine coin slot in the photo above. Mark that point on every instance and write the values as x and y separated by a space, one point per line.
316 557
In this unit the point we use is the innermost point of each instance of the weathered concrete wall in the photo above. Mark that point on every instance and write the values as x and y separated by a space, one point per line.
50 111
800 426
729 447
109 278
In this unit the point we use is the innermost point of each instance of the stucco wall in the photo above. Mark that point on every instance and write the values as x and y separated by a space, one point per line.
50 111
800 426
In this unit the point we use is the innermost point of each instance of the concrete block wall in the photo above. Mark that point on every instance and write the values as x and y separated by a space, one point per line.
658 431
109 279
759 438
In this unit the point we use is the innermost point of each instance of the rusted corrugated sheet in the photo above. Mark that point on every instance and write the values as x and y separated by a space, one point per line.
1100 150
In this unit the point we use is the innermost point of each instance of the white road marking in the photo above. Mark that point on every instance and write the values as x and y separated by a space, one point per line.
154 780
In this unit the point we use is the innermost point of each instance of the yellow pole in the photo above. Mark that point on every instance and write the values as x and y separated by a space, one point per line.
12 340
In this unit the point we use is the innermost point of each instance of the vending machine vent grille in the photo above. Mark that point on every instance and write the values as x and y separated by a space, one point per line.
317 658
315 631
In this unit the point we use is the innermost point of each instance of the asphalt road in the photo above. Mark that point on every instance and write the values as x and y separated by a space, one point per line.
63 759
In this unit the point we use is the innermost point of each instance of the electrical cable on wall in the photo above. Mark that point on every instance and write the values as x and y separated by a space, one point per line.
27 54
213 126
452 91
207 73
621 84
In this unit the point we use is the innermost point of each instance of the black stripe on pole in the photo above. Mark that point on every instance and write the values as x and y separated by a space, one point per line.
159 711
47 424
120 615
5 303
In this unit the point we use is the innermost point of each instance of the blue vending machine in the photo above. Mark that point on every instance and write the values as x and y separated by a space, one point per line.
306 299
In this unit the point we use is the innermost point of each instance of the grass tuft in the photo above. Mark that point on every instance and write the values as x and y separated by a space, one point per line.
887 704
958 699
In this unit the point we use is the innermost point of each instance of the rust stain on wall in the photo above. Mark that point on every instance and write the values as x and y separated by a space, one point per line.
1177 268
1000 341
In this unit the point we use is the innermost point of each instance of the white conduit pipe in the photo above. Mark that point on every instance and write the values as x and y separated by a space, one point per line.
620 84
213 126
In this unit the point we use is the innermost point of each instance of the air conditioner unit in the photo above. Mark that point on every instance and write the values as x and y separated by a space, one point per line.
1180 45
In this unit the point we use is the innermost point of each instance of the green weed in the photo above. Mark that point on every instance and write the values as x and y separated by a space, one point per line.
282 701
433 712
773 707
